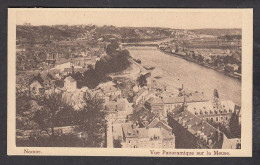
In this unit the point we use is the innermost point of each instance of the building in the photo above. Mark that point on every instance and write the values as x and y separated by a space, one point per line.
211 111
231 68
156 105
141 96
70 84
41 83
163 105
68 71
141 116
36 86
153 136
117 111
192 132
110 91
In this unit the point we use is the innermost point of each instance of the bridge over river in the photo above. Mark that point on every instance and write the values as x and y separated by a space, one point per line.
125 45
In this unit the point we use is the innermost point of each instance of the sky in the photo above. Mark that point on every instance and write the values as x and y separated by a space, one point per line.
169 18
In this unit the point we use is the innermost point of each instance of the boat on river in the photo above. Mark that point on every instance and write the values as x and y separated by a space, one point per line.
148 67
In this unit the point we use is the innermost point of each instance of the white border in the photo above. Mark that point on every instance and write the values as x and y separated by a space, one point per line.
246 104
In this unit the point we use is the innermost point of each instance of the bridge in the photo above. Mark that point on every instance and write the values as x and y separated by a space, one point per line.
139 45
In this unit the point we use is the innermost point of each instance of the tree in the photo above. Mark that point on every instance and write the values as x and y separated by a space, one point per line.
117 144
234 126
142 80
52 105
93 121
22 101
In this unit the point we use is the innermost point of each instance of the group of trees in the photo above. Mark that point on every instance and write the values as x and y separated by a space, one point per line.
115 61
141 80
53 112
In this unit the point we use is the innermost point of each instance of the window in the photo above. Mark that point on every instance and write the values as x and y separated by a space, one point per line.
216 118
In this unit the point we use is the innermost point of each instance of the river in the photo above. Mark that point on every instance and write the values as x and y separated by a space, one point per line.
175 71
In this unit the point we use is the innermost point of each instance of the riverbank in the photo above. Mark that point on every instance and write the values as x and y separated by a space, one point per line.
202 64
174 71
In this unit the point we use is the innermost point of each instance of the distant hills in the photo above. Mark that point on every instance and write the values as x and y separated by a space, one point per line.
64 32
218 32
47 32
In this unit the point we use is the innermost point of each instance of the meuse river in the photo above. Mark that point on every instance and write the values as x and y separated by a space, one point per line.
175 71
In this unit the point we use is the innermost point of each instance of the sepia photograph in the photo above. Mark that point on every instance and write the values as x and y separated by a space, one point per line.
153 82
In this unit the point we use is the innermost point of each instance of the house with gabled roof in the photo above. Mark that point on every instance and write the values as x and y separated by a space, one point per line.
40 83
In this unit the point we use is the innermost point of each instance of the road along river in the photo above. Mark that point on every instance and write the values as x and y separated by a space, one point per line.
175 71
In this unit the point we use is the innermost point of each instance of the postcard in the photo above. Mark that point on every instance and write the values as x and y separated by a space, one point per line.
130 82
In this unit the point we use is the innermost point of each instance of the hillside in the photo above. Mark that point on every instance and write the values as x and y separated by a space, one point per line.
218 32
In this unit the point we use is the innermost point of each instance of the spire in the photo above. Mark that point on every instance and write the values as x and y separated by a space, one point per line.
185 103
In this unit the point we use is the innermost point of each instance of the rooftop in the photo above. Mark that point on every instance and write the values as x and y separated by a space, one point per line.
69 79
131 131
196 126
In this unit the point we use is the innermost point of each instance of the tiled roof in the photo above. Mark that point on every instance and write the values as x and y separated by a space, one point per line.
209 107
131 131
195 125
166 134
153 100
173 100
44 78
193 97
141 114
156 123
